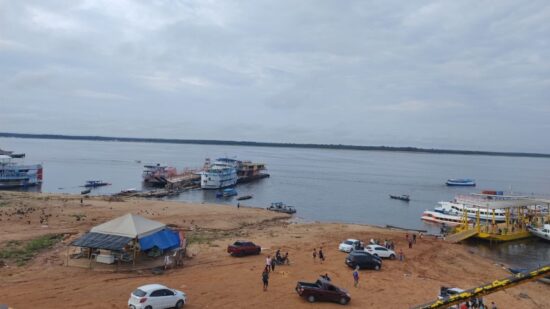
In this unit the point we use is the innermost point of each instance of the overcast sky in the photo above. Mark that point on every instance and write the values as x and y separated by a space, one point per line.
442 74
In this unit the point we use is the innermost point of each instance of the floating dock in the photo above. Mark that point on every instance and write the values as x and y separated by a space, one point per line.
521 211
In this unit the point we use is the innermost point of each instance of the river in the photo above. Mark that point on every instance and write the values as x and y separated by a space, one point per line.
324 185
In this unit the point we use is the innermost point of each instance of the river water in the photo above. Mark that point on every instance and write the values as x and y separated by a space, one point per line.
324 185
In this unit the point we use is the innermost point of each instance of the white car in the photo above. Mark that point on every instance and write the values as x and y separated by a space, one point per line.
153 296
380 251
348 245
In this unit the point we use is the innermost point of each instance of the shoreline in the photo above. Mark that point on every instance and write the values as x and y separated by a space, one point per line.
214 279
407 149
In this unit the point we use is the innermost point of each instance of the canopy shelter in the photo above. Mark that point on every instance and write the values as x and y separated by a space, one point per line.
165 239
129 225
102 241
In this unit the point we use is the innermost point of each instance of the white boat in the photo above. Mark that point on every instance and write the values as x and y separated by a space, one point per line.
440 217
220 174
543 232
13 175
458 208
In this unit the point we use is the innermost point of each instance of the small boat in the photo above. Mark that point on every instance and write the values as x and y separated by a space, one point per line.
439 217
86 191
461 183
403 197
522 270
543 232
96 183
244 197
227 192
280 207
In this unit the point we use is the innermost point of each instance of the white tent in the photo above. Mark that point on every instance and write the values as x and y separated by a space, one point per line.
129 225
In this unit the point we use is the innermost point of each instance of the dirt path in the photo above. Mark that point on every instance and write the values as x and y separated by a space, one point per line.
212 279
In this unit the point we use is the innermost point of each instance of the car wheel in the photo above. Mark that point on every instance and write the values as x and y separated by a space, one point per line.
343 301
179 304
392 257
311 298
148 307
377 267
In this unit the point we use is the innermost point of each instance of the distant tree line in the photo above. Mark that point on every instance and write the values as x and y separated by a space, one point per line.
266 144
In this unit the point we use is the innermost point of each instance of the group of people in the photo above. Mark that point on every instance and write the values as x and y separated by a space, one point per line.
270 265
320 253
477 303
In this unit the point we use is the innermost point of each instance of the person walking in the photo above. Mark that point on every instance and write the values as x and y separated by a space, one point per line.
268 263
272 264
238 205
321 255
265 279
356 276
414 238
314 255
401 256
410 244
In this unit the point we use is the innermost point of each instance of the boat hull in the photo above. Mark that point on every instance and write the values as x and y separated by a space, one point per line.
541 233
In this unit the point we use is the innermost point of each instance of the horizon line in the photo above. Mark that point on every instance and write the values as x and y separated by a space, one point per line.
275 144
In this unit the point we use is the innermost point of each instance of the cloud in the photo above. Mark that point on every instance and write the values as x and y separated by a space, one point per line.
355 72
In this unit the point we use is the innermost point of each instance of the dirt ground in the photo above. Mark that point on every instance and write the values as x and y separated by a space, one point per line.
213 279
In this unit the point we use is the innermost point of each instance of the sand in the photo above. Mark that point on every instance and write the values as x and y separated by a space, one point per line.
213 279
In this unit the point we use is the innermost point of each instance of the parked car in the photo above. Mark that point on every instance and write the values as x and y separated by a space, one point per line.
380 251
322 290
242 248
348 245
153 296
364 260
445 292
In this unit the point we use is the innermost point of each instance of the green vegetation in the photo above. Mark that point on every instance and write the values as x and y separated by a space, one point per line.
286 145
23 251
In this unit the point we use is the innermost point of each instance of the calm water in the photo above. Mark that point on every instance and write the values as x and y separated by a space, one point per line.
325 185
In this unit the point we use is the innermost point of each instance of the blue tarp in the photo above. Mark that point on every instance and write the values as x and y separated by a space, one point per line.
165 239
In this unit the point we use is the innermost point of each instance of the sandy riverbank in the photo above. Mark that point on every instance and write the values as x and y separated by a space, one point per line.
213 279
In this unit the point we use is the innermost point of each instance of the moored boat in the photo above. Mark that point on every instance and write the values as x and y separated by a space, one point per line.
543 232
86 191
14 175
157 174
96 183
227 192
281 207
461 182
403 197
440 217
458 208
220 174
244 197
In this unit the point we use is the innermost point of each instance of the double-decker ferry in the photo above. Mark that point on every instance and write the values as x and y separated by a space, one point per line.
220 174
13 175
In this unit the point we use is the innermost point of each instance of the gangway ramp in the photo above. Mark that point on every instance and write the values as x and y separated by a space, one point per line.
461 236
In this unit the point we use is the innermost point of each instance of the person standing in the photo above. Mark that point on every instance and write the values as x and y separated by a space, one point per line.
356 276
401 256
493 305
410 244
265 279
268 263
414 238
314 255
238 205
273 264
321 255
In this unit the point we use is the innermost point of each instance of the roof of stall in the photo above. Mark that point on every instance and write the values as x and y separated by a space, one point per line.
129 225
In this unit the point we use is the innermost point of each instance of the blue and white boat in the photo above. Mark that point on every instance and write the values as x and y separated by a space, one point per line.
227 192
14 175
461 182
220 174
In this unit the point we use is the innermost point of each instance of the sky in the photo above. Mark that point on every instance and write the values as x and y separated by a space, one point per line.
434 74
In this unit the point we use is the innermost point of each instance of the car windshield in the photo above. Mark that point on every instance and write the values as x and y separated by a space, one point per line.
139 293
347 242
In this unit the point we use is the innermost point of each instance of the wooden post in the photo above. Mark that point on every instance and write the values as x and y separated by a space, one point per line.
134 259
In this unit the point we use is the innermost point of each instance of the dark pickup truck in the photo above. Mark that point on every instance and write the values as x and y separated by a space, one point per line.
241 248
322 290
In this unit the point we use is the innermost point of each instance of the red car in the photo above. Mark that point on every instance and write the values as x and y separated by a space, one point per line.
242 248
